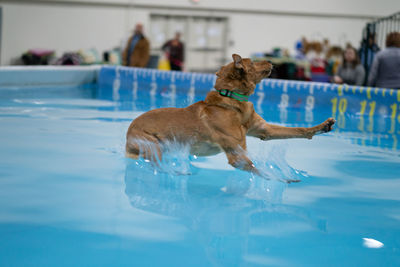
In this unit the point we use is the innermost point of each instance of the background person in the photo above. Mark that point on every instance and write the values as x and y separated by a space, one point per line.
368 50
137 50
350 71
175 51
385 69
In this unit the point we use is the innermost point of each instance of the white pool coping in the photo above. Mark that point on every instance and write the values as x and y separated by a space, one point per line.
41 76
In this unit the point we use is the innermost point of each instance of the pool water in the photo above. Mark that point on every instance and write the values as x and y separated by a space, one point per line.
69 197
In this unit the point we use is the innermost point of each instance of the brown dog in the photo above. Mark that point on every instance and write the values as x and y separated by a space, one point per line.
219 123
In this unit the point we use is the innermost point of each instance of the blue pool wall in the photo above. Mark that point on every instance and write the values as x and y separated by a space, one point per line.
339 99
127 81
48 76
120 83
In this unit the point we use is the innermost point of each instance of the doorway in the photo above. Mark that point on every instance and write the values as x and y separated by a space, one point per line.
205 39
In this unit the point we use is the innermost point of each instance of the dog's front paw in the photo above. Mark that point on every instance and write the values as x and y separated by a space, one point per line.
327 125
324 127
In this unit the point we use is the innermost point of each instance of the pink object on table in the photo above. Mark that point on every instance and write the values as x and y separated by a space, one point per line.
41 52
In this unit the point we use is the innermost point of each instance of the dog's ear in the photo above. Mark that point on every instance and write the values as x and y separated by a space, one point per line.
238 61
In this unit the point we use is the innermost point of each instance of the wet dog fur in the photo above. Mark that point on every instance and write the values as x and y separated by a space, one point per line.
216 124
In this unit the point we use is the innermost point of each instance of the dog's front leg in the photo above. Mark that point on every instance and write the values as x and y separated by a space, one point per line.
265 131
239 160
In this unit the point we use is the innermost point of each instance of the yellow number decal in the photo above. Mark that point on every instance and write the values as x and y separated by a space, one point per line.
392 126
361 124
342 105
341 121
370 127
334 105
340 92
394 110
363 106
372 108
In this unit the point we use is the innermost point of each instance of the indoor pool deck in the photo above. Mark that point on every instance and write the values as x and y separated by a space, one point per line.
69 197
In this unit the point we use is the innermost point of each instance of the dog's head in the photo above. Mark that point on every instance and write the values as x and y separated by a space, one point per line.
242 75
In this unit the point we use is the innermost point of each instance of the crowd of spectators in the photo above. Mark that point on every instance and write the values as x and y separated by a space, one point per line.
319 61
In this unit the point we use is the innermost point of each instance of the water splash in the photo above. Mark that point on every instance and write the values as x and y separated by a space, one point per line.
272 163
177 160
175 157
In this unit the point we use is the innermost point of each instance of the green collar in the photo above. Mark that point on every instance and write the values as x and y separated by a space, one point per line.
239 97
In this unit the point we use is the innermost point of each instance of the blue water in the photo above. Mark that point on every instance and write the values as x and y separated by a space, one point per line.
69 197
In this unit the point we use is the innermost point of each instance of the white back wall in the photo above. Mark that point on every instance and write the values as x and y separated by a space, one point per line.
271 31
62 28
254 25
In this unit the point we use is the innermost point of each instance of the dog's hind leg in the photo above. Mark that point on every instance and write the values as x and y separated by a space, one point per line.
143 145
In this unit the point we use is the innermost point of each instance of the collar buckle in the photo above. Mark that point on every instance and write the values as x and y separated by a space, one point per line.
233 95
225 92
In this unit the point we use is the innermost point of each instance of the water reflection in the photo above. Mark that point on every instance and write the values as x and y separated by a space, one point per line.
235 217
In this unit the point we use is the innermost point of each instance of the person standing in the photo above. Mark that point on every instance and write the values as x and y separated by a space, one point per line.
137 50
350 71
385 69
368 50
175 51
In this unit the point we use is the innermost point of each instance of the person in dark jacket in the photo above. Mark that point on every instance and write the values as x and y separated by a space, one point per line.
368 50
175 51
350 71
137 50
385 69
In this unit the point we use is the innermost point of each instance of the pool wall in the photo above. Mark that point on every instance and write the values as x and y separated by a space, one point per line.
340 99
44 76
117 81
